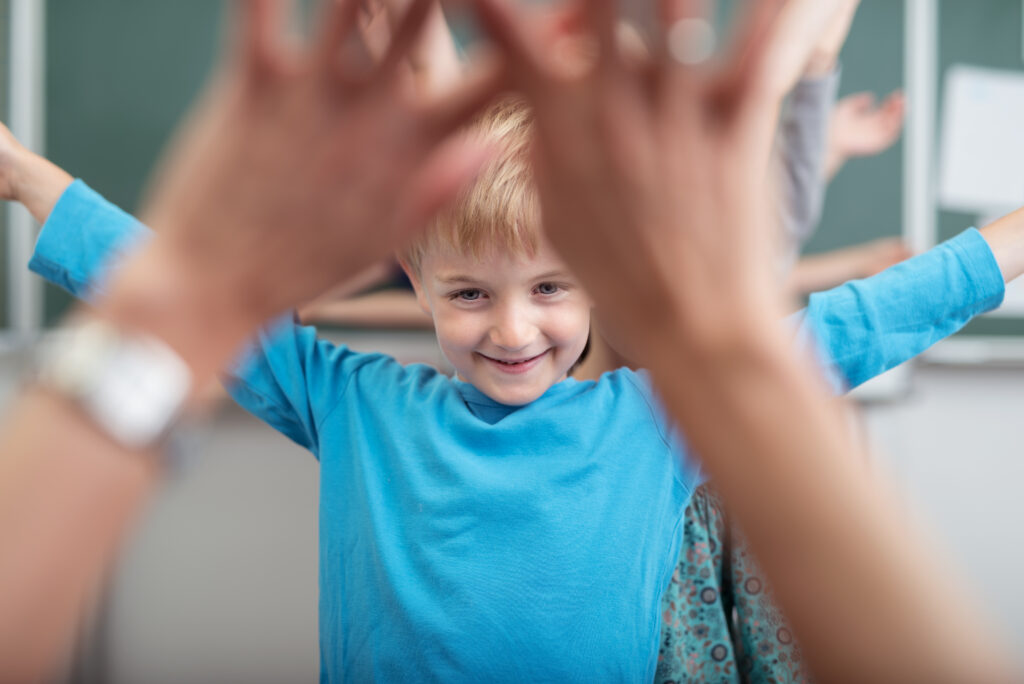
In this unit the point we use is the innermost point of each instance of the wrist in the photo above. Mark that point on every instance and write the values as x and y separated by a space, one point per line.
11 164
157 293
37 183
715 337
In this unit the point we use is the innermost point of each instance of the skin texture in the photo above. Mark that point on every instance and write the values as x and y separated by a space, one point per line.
502 308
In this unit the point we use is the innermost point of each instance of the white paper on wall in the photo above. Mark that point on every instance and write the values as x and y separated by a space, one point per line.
982 140
982 151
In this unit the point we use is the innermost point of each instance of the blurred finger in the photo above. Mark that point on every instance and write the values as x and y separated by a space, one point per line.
375 30
744 69
688 32
337 22
515 36
408 32
601 17
895 103
259 35
459 105
744 90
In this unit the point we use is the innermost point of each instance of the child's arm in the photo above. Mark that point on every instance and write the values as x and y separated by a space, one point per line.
803 133
804 129
833 268
866 327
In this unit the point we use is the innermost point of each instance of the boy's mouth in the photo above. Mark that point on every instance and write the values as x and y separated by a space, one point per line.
515 366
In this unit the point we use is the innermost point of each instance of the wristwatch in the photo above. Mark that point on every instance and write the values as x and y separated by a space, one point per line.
133 387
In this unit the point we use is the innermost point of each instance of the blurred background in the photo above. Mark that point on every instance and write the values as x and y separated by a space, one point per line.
220 582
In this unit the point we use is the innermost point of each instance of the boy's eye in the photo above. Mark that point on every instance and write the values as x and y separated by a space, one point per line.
548 289
468 295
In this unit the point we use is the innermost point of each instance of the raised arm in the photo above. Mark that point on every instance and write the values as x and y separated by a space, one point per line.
804 125
653 190
292 139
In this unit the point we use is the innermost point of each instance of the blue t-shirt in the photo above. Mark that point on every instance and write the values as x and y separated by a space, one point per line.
461 539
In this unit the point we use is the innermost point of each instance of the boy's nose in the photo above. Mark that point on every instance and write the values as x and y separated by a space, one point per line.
513 330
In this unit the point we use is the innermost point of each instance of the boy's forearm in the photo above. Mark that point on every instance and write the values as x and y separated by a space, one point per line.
38 183
834 542
1006 239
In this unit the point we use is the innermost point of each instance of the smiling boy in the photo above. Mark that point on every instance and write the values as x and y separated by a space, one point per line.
508 524
509 315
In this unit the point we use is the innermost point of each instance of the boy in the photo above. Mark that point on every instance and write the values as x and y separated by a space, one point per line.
509 523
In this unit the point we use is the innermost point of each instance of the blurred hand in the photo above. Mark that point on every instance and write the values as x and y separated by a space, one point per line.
653 179
300 167
861 127
27 178
298 170
434 60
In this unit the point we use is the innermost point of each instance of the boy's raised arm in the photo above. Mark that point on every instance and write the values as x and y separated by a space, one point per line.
865 327
28 178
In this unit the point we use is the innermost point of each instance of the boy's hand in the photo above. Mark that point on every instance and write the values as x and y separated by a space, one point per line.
11 156
297 171
27 178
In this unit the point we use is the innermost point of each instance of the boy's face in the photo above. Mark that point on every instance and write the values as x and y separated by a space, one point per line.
511 326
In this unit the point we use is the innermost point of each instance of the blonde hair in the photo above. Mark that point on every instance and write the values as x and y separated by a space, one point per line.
500 210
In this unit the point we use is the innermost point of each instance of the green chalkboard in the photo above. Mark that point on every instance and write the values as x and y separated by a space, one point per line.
865 200
119 75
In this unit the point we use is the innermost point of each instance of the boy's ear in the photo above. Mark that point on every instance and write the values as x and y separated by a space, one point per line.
417 286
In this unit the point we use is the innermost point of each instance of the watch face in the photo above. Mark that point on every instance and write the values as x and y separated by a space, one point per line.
132 386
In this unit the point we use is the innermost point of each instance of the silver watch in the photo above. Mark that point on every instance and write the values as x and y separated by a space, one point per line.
132 386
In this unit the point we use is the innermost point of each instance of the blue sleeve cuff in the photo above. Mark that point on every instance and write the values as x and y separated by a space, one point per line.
82 236
981 267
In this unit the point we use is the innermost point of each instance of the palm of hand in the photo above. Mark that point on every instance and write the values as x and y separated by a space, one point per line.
651 172
296 173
